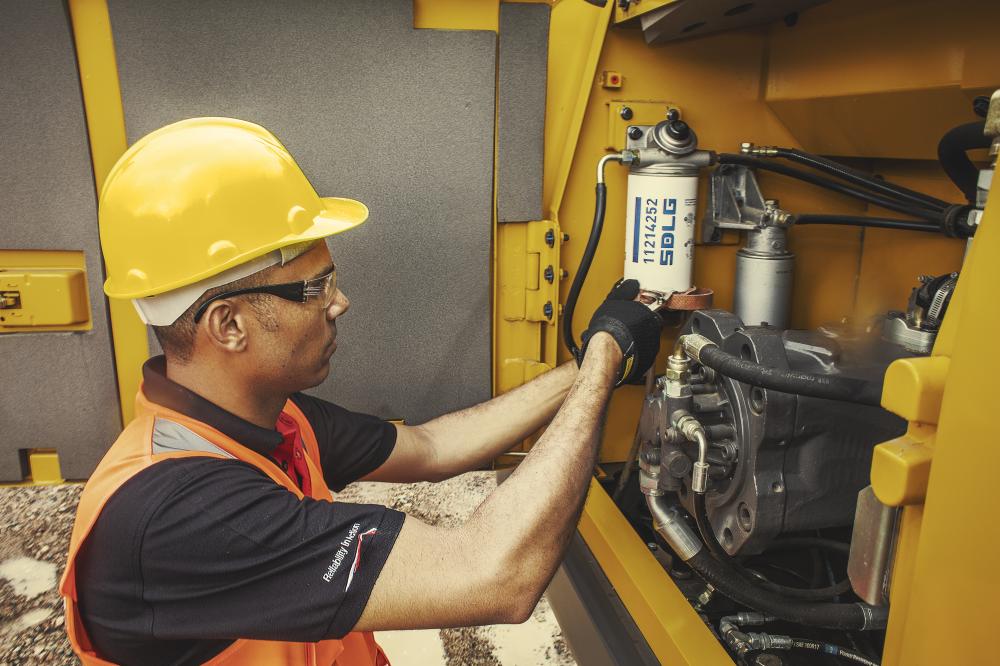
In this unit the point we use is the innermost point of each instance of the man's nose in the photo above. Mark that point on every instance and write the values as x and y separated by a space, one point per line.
338 306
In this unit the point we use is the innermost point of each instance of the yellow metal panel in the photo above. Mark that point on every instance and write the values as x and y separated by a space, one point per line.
673 629
955 578
824 87
31 297
456 14
576 34
71 261
95 52
913 388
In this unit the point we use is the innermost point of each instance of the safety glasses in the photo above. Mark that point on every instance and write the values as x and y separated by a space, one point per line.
320 289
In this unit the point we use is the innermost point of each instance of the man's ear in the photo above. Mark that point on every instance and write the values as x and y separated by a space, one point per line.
225 326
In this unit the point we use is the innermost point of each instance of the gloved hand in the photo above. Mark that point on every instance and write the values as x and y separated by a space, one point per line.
634 327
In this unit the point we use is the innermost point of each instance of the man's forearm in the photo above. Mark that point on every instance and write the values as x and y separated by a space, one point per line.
471 438
540 503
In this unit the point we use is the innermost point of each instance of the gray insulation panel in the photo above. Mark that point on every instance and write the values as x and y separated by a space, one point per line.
58 390
401 119
524 44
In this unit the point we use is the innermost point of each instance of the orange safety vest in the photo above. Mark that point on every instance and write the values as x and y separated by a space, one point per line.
133 452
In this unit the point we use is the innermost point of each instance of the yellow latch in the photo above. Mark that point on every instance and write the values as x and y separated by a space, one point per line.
914 387
31 297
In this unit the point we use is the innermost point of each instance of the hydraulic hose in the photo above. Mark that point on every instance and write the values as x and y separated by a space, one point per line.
956 163
830 387
827 183
710 540
873 222
904 194
600 204
730 583
829 648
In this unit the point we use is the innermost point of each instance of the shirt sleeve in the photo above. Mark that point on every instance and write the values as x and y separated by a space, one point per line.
351 444
231 554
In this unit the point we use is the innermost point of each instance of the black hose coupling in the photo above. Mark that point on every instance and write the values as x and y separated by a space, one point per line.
959 221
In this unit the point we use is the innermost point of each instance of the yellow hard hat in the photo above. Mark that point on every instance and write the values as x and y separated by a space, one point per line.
200 196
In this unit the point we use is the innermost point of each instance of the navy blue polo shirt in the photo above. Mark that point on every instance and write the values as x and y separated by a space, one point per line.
193 553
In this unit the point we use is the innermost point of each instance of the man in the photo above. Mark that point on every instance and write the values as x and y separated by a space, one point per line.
208 532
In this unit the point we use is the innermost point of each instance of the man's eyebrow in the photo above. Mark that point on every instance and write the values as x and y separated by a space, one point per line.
323 271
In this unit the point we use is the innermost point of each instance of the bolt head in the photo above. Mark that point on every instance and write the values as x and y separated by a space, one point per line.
625 112
634 133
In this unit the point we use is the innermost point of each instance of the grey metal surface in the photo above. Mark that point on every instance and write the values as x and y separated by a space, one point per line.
522 69
58 390
401 119
872 541
691 19
595 623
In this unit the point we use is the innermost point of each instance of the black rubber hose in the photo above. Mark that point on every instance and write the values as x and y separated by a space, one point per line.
956 163
827 183
835 650
831 387
874 222
581 272
730 583
844 172
713 545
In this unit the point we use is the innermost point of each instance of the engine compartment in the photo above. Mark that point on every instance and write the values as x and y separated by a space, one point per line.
749 471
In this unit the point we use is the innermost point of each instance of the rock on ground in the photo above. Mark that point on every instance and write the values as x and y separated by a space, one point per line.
35 524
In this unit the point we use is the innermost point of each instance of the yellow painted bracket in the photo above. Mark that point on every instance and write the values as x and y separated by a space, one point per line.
901 467
674 631
102 101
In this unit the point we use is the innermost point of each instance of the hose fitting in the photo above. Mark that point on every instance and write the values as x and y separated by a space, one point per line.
692 345
667 521
694 431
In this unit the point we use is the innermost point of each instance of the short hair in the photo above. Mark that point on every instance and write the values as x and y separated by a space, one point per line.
177 339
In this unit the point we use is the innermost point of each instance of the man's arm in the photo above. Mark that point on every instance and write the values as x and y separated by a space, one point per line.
469 439
495 567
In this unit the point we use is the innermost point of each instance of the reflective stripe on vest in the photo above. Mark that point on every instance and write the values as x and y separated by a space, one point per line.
158 434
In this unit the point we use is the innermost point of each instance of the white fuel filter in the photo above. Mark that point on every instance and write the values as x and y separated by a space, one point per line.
659 230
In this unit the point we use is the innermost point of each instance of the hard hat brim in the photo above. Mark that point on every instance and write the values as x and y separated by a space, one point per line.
338 215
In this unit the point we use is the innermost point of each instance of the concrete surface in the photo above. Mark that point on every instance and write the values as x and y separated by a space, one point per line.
35 523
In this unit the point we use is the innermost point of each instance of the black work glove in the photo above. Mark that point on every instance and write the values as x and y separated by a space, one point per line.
634 327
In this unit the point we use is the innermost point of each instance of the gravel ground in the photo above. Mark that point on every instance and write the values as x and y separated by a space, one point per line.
35 523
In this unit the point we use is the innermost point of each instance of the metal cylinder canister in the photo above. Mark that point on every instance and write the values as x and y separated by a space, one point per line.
659 232
764 272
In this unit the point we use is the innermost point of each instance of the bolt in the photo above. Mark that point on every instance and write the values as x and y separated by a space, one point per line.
634 133
981 105
547 310
565 237
673 114
563 273
549 274
652 547
625 112
550 238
